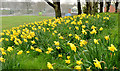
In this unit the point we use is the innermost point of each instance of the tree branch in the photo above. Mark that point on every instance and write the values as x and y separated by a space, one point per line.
50 3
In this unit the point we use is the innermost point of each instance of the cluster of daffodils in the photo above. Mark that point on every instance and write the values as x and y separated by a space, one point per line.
49 50
69 37
68 60
78 67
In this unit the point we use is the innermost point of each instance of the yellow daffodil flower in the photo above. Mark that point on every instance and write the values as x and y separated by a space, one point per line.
67 61
107 37
112 48
20 52
73 47
79 62
97 64
49 65
56 43
96 41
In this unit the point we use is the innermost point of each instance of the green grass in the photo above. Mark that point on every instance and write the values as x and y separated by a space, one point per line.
113 30
14 21
35 63
40 62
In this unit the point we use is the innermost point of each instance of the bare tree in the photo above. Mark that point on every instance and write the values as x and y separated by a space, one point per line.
56 6
95 6
108 5
90 7
101 6
79 7
87 6
116 6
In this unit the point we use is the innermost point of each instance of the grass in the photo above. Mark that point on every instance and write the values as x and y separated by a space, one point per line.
14 21
35 63
40 61
113 30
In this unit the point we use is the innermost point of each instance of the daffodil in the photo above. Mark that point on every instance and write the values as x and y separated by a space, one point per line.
27 51
77 67
68 57
86 21
101 29
107 37
96 41
88 69
2 59
53 34
32 48
77 28
47 52
93 31
97 64
59 34
79 62
83 42
20 52
112 48
79 23
9 49
50 49
39 50
29 37
83 26
55 31
56 43
93 27
3 53
70 35
49 65
59 55
84 32
67 61
73 47
70 28
36 38
6 39
61 37
77 37
2 49
25 40
58 48
33 42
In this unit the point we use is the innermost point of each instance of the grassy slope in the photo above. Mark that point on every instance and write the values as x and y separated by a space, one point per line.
15 21
113 30
46 58
40 62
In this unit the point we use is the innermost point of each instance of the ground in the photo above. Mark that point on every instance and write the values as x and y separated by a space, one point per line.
14 21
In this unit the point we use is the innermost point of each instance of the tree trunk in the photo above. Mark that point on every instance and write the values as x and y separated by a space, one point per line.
108 6
56 6
79 7
87 5
95 7
57 9
90 7
116 6
101 6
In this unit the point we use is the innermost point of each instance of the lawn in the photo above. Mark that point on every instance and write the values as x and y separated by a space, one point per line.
49 31
14 21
